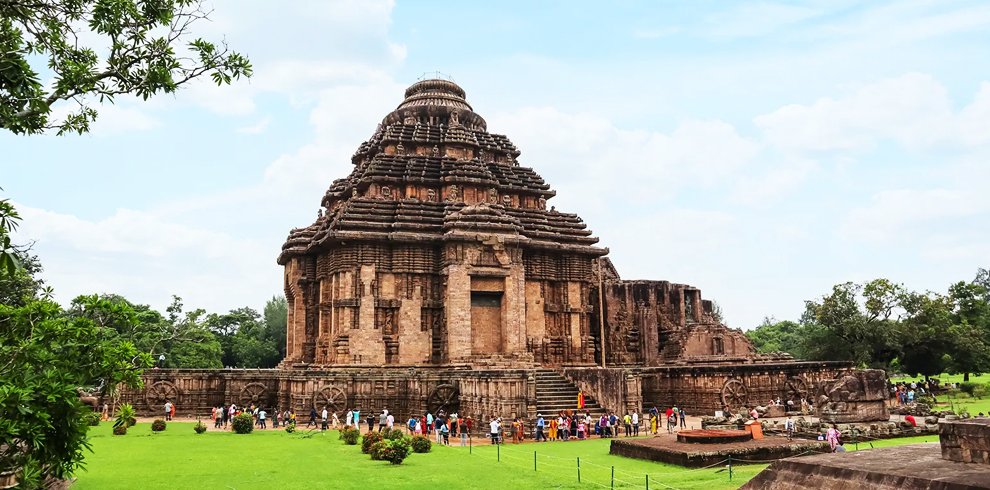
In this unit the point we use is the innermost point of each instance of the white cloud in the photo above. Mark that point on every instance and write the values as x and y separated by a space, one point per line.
908 214
256 128
914 110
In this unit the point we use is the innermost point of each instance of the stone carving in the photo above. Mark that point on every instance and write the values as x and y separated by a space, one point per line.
399 149
253 394
444 397
455 118
436 151
331 397
409 119
859 396
541 203
161 391
797 389
386 192
453 194
507 200
734 394
431 195
493 195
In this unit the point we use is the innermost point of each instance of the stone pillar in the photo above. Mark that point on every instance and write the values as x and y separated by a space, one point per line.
366 340
514 311
457 298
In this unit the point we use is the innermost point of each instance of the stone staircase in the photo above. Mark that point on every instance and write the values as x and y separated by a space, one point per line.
554 393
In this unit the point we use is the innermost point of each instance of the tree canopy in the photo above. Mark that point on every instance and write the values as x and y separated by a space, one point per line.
95 50
882 324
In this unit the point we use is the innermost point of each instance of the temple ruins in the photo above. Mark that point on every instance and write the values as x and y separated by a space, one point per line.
437 275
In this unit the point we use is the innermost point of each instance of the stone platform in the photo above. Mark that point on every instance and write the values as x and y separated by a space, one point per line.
916 466
666 449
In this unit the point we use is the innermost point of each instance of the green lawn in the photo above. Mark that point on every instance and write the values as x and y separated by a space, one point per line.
179 458
954 399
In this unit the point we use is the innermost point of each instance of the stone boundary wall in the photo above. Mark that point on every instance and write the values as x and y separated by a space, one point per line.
699 388
404 391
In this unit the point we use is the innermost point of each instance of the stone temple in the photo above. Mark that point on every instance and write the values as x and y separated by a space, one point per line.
438 275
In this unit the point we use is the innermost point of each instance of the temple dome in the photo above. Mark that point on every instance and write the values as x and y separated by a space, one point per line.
435 102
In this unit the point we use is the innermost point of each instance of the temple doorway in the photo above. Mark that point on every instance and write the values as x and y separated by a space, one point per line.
486 322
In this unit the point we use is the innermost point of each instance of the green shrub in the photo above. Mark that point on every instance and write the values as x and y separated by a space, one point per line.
350 436
369 439
200 427
392 450
393 434
119 430
291 427
981 391
421 444
93 419
126 417
968 387
158 425
243 423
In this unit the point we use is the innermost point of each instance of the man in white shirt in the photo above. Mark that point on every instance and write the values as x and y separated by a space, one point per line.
635 423
348 418
168 410
261 418
323 426
495 427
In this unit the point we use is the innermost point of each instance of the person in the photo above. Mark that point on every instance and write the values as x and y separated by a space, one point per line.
220 418
437 422
230 414
276 418
832 436
540 436
335 421
161 360
323 419
105 414
390 421
411 424
171 413
371 422
382 420
582 429
262 415
635 423
462 427
494 425
671 423
910 419
357 419
840 448
789 427
753 413
445 433
168 410
653 423
312 418
627 424
553 428
348 417
580 400
683 416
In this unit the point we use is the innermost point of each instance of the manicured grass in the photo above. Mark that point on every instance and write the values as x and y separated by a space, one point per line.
955 399
179 458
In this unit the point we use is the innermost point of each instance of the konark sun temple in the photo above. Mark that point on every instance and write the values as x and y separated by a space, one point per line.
438 275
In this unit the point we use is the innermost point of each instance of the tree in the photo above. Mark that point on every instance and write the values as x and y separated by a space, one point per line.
970 330
247 341
9 254
778 336
96 50
45 355
855 323
926 333
277 320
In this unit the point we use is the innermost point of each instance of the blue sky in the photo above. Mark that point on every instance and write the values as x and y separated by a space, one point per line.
760 151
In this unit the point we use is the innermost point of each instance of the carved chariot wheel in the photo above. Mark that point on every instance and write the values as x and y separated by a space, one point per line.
797 389
331 397
253 393
734 393
444 397
161 391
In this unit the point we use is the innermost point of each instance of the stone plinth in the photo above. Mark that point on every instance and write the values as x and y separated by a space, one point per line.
966 441
711 436
666 449
911 467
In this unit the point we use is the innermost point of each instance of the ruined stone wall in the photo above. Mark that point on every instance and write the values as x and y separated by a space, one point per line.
615 389
704 388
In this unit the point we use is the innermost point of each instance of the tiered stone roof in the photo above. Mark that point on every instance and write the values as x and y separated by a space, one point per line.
409 182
